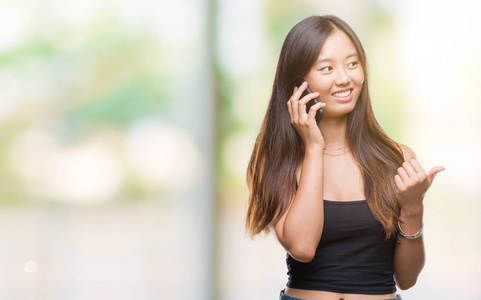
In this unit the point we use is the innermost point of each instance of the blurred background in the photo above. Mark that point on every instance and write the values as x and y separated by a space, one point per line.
126 128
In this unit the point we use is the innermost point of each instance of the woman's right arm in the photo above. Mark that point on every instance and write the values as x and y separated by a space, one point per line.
299 230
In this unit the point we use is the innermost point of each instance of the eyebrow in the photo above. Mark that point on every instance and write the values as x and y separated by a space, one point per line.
330 59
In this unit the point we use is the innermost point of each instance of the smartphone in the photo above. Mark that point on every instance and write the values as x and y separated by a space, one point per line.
320 112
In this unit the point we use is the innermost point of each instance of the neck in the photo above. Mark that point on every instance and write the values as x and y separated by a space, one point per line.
334 131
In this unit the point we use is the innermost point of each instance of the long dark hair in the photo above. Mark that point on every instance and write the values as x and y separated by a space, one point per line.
278 147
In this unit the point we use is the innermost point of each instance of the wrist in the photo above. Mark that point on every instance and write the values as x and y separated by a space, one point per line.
411 219
315 149
410 236
412 211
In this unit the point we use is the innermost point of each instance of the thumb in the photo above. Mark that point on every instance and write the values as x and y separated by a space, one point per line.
434 171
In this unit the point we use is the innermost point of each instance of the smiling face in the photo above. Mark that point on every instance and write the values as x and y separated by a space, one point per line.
337 75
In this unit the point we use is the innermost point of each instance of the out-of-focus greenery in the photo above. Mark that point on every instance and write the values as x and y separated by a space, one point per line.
73 83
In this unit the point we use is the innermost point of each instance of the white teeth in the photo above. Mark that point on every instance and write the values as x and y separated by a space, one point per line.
343 94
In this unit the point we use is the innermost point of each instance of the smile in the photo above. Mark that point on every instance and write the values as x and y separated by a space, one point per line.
342 94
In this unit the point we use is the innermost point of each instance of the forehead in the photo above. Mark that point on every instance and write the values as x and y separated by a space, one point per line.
337 45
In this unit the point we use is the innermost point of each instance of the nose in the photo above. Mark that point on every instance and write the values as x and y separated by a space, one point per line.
342 77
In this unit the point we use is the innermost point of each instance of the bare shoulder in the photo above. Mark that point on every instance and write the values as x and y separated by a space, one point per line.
408 153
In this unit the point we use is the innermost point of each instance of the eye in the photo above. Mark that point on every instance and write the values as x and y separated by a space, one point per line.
326 69
353 64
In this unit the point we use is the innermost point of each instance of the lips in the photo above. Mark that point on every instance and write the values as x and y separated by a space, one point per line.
342 93
343 96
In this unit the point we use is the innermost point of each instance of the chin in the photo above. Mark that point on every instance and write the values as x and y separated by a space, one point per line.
339 111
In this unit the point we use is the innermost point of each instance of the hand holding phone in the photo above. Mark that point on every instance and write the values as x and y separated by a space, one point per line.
320 112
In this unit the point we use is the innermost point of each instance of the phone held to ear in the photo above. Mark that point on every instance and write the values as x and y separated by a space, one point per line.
320 112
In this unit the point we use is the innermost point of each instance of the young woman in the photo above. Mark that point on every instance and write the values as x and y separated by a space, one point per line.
343 199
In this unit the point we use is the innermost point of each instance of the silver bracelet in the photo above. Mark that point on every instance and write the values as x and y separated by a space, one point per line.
410 236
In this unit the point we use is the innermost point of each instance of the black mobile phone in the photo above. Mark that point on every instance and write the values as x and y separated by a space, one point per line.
320 112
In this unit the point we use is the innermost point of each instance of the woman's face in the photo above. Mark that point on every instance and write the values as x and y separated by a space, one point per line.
337 75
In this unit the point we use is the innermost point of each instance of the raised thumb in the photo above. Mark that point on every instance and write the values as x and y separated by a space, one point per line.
434 171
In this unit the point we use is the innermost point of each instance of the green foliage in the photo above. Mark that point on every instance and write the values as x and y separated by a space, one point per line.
122 105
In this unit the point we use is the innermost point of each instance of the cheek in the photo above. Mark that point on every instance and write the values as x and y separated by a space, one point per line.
322 85
358 76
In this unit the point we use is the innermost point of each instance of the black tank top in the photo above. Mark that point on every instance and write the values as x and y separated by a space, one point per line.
352 257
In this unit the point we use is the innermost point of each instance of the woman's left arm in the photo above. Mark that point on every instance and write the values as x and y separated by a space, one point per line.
411 183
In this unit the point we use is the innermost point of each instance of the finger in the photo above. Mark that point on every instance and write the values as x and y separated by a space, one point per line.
313 110
318 105
294 108
434 171
399 182
303 112
298 93
409 170
309 97
417 167
404 176
301 89
289 109
298 113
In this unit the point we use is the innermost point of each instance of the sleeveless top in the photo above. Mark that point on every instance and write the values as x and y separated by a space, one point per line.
353 255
